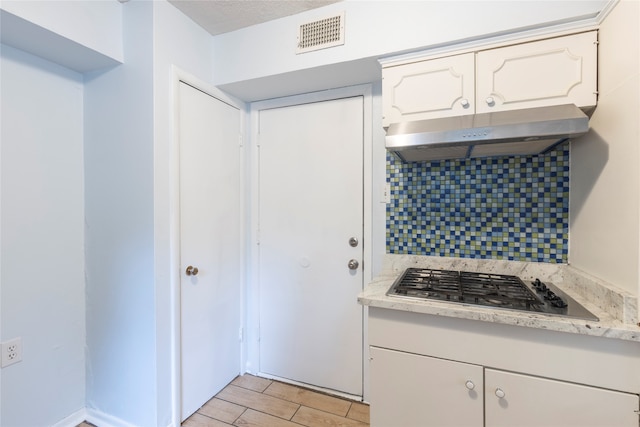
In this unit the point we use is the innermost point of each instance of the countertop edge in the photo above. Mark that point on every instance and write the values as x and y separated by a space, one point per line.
374 295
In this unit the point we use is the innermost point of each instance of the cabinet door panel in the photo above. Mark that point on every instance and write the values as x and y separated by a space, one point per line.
412 391
549 72
539 402
428 89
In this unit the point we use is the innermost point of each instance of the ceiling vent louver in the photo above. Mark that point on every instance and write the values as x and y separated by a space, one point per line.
321 34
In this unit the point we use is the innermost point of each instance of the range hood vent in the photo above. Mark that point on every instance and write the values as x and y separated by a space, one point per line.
504 133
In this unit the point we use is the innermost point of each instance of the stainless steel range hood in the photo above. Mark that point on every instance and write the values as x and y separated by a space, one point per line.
504 133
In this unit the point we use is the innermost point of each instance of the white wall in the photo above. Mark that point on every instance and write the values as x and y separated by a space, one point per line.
260 61
119 171
42 253
128 140
81 35
605 163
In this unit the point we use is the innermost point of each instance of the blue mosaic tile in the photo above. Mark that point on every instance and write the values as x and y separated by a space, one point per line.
514 208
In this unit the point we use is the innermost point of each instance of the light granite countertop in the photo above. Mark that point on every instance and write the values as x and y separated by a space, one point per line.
617 310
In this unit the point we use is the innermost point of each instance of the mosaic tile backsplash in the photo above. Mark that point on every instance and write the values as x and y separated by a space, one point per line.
511 208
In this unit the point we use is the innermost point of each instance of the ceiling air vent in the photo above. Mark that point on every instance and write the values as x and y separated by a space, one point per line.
321 34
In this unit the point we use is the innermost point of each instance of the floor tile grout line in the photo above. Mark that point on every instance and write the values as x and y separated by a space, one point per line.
246 408
208 416
239 416
298 404
349 401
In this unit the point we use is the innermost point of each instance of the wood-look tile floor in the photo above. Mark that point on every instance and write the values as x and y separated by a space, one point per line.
259 402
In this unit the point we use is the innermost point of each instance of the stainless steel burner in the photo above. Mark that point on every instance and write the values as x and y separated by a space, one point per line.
486 289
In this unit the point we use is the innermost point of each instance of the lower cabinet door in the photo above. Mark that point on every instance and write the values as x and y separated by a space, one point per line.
521 400
409 390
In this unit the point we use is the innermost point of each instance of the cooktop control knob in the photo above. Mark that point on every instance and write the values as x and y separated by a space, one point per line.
539 286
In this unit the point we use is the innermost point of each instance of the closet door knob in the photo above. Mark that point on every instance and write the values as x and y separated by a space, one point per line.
191 271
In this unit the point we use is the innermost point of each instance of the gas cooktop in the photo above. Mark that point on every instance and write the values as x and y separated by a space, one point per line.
489 290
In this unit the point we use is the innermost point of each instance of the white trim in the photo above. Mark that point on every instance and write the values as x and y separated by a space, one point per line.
253 304
105 420
486 43
607 10
73 420
180 75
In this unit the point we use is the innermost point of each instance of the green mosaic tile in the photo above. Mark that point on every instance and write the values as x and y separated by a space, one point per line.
514 208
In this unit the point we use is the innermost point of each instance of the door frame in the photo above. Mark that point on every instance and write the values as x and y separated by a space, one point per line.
180 76
252 354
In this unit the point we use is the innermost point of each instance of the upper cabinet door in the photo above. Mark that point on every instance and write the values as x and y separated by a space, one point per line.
548 72
427 89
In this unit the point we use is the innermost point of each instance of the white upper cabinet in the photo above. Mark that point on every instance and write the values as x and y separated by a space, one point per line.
441 87
548 72
561 70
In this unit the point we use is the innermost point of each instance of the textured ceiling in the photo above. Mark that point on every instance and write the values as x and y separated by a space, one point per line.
222 16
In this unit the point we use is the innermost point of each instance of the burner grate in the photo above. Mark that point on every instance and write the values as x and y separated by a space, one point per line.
492 290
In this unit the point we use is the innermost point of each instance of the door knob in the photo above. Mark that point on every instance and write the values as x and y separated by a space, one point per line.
353 264
191 271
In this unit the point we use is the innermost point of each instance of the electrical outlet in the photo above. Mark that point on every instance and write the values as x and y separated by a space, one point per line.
11 352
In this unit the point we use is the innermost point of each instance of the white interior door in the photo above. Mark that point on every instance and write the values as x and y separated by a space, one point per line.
310 205
209 241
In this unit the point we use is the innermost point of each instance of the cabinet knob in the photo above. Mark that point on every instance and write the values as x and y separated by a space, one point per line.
490 101
500 393
353 264
465 103
470 385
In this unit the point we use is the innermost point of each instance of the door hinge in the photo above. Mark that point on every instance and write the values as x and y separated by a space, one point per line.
241 334
240 140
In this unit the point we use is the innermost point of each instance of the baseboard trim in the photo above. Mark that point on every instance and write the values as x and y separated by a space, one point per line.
105 420
72 420
95 417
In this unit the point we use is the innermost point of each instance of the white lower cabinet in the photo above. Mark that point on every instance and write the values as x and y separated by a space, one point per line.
411 390
535 402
